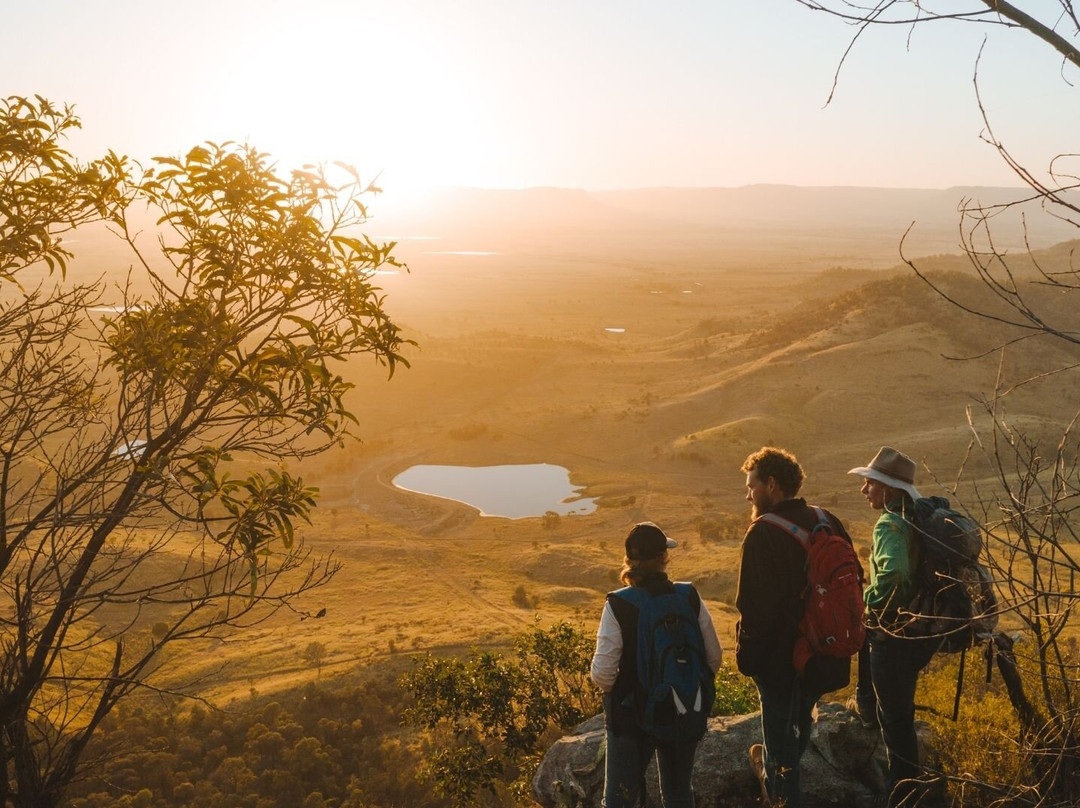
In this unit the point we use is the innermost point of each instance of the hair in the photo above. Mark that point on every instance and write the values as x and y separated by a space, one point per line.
635 571
779 464
907 504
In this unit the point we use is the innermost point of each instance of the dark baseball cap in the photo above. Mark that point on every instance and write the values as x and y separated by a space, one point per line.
647 541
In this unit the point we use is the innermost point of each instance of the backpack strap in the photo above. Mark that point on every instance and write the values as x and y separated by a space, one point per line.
790 527
638 596
691 594
803 536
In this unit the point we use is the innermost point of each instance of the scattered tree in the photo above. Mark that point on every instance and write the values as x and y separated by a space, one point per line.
523 600
315 654
129 440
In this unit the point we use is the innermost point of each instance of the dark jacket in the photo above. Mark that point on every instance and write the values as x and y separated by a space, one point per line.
772 580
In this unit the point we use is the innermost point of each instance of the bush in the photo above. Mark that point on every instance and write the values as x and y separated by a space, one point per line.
550 520
523 600
492 715
735 694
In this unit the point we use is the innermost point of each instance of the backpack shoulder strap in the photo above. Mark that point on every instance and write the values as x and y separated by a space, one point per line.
688 591
632 594
802 536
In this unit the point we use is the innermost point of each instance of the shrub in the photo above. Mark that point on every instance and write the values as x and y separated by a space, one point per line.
735 694
492 715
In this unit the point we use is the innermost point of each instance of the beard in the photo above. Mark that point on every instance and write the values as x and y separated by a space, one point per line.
754 511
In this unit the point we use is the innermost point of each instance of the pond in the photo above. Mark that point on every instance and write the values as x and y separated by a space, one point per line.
511 491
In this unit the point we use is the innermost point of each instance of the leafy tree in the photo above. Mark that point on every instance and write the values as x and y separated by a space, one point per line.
133 514
1022 479
315 654
493 715
44 193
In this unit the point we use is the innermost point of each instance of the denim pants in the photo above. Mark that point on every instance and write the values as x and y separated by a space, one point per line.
864 685
628 756
895 663
786 721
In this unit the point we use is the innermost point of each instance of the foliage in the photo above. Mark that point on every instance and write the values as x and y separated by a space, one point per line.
979 747
342 743
315 654
341 740
493 715
131 517
44 192
735 694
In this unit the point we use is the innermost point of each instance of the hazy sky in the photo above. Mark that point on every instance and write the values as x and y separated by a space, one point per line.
596 94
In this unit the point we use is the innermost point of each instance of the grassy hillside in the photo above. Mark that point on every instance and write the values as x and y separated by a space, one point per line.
514 365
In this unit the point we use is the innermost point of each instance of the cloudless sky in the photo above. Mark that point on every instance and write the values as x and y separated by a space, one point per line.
594 94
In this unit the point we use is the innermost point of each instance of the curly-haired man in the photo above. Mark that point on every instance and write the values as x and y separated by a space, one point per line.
772 580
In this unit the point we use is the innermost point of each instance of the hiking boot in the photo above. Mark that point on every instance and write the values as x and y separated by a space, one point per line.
757 766
868 718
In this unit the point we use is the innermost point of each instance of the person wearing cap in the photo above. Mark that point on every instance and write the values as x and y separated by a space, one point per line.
769 598
895 660
614 670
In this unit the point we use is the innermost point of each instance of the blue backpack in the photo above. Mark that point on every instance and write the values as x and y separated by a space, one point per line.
675 688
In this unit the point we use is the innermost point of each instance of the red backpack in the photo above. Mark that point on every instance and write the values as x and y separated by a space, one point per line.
832 619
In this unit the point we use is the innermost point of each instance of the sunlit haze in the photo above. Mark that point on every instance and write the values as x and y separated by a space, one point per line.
595 95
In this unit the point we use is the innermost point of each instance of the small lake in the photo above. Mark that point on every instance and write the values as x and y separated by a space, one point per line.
514 492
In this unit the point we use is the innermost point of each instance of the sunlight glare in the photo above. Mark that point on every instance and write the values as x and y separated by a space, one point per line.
394 103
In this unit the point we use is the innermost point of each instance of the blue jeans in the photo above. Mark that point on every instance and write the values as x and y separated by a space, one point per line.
786 721
895 663
628 756
864 685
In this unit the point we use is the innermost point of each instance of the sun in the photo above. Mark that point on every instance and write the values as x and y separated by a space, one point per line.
399 105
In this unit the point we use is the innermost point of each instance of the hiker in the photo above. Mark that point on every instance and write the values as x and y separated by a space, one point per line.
895 660
771 589
633 734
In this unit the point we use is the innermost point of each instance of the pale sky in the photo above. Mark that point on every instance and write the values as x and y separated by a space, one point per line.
595 94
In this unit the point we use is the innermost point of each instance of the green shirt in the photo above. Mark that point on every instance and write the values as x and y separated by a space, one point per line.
892 569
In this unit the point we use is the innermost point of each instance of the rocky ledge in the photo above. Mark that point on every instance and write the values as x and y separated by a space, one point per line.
843 766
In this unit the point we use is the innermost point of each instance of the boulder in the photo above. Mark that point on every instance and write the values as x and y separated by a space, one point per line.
844 765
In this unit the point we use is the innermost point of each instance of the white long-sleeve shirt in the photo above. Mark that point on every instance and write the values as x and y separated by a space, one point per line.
609 646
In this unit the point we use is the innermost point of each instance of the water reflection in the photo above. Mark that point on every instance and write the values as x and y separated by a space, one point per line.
511 491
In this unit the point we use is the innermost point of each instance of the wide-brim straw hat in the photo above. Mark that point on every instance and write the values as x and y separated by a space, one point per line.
893 468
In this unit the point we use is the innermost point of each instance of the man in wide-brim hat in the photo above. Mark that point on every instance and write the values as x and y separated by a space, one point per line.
895 661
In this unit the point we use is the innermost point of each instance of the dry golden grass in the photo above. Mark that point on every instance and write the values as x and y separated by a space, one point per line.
514 366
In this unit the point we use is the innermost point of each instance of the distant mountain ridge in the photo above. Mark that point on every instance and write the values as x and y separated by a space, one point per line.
752 210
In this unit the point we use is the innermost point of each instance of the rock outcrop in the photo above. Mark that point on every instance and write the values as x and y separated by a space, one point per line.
843 767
